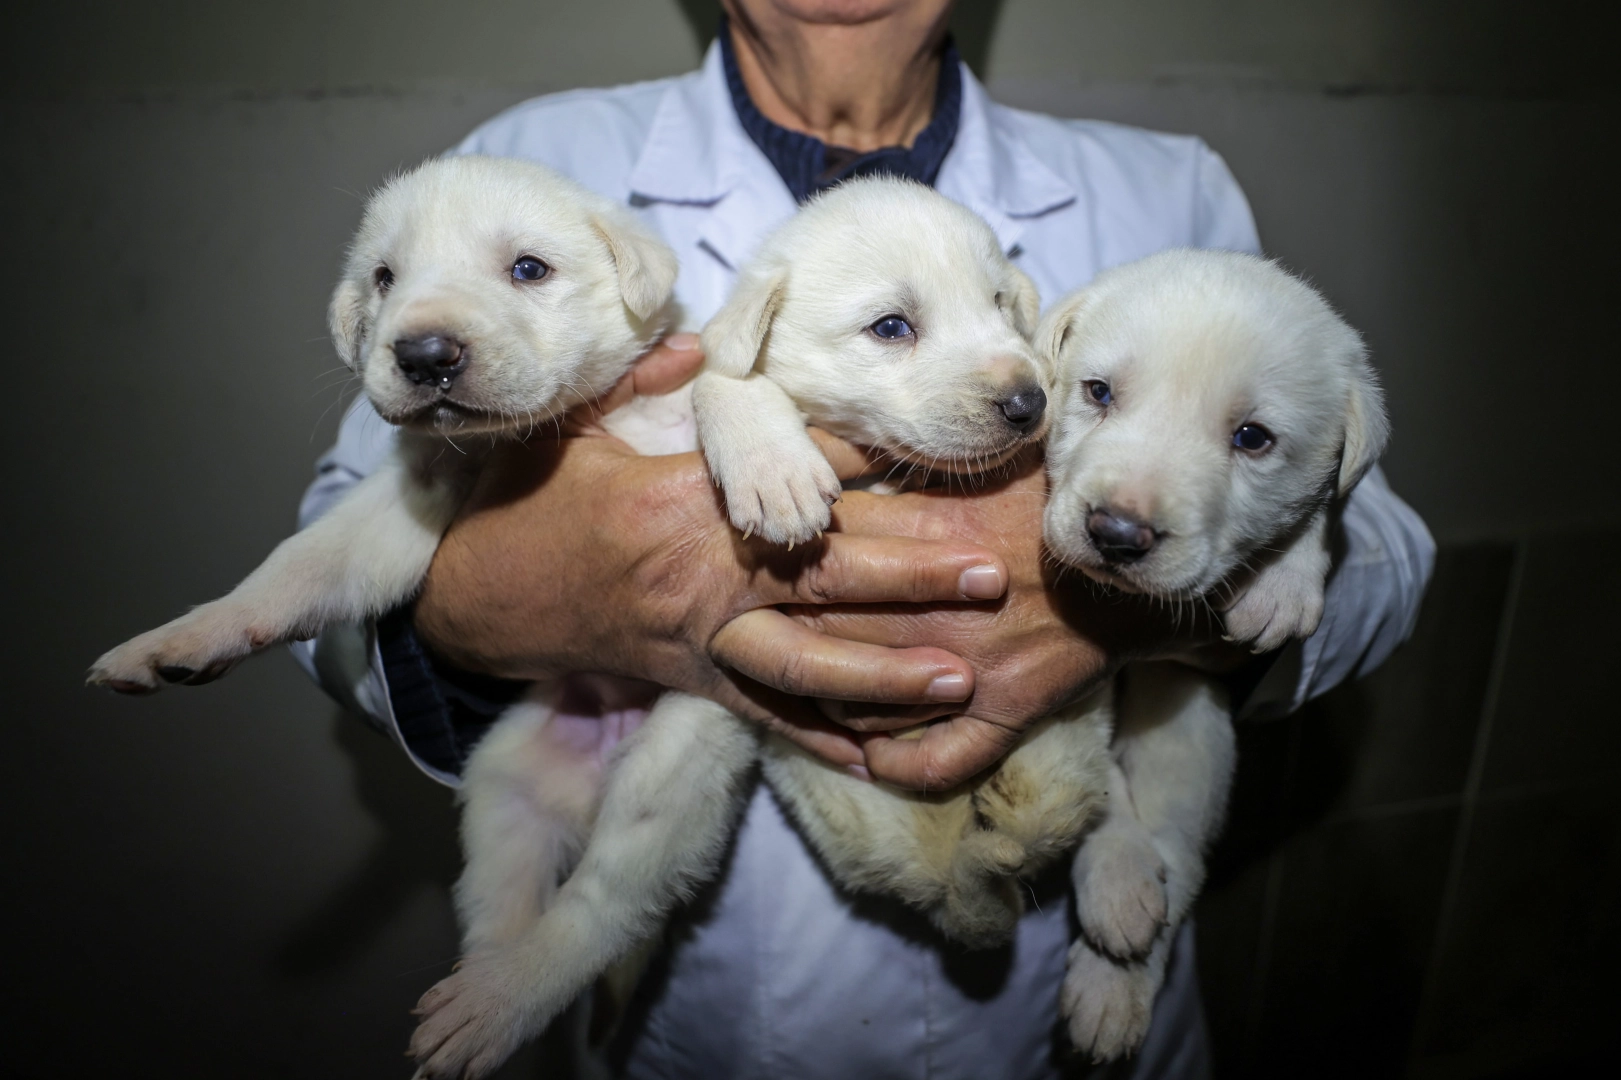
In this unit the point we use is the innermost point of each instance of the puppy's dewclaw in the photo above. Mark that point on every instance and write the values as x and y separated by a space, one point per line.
886 314
481 298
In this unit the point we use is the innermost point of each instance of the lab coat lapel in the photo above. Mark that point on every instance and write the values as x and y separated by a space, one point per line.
698 154
992 172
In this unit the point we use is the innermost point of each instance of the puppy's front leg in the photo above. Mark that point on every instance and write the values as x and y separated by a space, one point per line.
527 801
777 483
1285 599
366 555
672 796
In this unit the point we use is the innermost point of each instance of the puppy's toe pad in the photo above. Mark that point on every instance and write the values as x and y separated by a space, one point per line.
1120 896
1107 1005
1274 613
470 1024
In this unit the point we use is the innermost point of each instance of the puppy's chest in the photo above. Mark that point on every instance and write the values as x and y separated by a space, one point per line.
655 426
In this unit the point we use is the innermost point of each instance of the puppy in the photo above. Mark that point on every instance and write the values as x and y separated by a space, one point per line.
888 314
885 314
481 299
1212 412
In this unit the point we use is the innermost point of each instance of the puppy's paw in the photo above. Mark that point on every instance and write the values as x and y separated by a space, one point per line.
472 1021
1106 1004
196 648
1120 894
783 499
1284 603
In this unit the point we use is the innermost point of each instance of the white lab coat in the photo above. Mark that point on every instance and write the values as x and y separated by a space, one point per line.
774 973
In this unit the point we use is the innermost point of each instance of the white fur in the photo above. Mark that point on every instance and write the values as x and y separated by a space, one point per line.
1190 345
864 251
1194 344
449 232
794 342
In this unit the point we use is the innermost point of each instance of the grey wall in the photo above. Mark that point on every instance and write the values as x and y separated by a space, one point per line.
240 879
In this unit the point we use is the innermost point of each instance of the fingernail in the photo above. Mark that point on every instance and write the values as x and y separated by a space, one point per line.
947 688
681 342
859 772
982 582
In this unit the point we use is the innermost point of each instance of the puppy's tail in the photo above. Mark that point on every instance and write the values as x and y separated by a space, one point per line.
985 897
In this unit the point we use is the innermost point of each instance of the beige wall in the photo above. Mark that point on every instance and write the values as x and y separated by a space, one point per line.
238 877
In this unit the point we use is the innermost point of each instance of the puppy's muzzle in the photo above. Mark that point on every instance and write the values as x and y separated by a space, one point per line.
1119 539
431 359
1023 408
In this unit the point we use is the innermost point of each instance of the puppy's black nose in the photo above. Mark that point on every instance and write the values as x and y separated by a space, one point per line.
432 358
1023 408
1119 539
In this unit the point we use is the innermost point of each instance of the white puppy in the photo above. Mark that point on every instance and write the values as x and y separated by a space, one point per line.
481 298
887 315
884 312
1212 410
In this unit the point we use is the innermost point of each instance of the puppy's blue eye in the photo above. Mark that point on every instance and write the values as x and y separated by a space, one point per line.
891 327
1252 437
384 278
1099 391
529 268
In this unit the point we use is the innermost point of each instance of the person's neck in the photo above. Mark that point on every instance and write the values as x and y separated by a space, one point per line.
863 85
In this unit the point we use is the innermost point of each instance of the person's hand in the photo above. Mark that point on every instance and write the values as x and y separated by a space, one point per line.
575 554
1051 639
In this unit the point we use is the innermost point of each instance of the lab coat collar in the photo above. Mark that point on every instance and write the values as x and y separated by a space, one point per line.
698 153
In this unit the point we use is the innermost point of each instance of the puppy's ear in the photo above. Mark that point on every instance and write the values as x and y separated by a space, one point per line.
345 319
646 265
1057 325
1024 302
732 339
1367 428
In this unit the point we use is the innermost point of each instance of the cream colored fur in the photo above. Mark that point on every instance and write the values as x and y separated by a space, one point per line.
1190 346
449 233
669 796
795 342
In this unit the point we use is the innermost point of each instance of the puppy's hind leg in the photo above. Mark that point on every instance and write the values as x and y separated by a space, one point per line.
672 795
1175 748
1119 879
1107 1003
527 805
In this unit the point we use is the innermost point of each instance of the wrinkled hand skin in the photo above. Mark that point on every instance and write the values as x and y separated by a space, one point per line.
579 555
